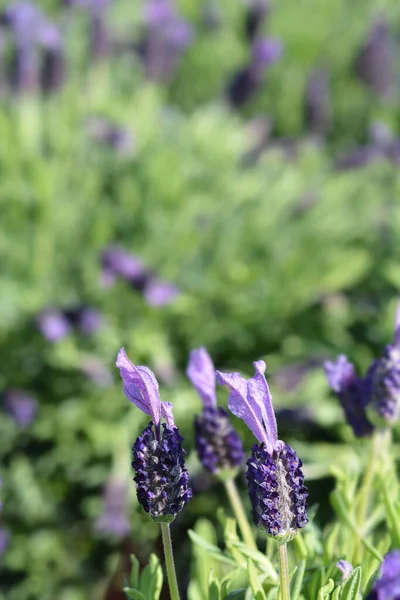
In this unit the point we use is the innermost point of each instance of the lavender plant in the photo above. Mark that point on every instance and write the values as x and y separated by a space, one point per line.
161 478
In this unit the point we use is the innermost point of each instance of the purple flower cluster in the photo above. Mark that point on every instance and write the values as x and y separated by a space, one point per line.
277 490
387 586
274 472
117 262
375 61
218 446
55 324
4 533
374 399
161 477
33 34
20 406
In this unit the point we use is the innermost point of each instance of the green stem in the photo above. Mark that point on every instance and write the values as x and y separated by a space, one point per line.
365 493
284 572
237 507
169 561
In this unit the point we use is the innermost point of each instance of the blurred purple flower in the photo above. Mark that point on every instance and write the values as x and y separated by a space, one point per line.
374 64
266 51
21 406
53 324
89 320
167 37
107 133
114 520
255 17
387 587
345 568
4 540
317 102
118 262
160 293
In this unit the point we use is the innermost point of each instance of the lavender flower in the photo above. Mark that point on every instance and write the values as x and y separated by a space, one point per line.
255 16
110 135
345 568
374 64
114 519
116 262
382 383
53 324
162 480
21 406
4 540
387 587
218 445
274 472
247 82
317 104
167 37
349 388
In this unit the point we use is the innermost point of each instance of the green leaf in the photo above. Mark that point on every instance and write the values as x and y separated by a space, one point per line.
325 590
211 549
214 590
297 580
336 592
393 517
237 594
134 594
134 579
255 581
156 578
352 585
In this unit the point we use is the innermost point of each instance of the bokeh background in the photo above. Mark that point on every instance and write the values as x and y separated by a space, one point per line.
177 173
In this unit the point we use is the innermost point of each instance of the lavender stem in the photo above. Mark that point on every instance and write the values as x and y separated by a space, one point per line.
169 561
237 507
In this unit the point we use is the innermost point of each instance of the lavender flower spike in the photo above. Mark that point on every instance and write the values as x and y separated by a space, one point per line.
274 472
382 383
161 477
218 445
387 587
344 381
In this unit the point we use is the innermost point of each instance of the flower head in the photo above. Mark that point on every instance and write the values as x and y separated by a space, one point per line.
345 568
274 472
21 406
218 445
387 587
161 478
382 383
349 388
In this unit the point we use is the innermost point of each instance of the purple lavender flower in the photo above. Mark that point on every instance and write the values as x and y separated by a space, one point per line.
110 135
89 320
274 472
167 37
344 381
345 568
53 66
317 104
247 81
162 480
159 293
255 16
382 383
53 324
21 406
387 587
218 445
374 64
114 520
4 540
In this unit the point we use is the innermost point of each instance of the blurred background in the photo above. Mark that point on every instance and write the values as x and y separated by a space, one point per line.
177 173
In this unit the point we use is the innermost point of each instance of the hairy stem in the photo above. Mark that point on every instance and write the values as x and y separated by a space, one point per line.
169 561
284 572
237 507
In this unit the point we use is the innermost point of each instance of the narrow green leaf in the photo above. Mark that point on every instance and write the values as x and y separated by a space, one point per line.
214 590
297 580
134 594
236 594
134 579
391 512
325 590
336 593
211 549
156 578
254 581
352 585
